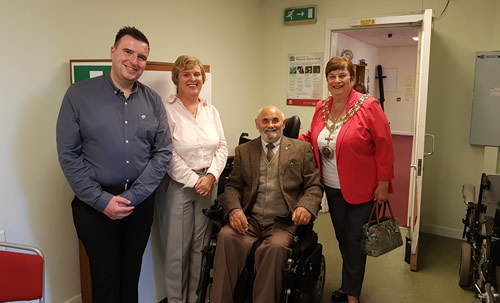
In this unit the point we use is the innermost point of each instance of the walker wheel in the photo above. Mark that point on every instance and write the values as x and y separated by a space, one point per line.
465 272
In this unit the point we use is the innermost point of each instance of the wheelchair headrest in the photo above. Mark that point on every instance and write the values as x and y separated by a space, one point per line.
243 138
292 127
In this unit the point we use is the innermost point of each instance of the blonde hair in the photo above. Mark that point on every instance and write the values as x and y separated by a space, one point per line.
186 62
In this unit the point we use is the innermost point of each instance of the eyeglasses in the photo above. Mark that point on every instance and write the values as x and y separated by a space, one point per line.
340 76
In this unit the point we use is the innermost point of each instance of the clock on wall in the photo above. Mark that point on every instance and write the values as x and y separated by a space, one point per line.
347 53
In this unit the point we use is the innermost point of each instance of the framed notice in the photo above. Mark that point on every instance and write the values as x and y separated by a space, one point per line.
305 79
85 69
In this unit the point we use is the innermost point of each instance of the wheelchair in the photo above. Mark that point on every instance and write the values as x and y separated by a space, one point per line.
303 273
480 256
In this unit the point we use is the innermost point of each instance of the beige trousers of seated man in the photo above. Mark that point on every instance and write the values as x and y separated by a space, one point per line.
230 259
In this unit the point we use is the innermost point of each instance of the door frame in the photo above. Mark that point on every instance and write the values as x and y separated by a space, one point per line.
425 22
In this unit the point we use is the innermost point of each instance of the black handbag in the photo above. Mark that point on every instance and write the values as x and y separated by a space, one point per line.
382 234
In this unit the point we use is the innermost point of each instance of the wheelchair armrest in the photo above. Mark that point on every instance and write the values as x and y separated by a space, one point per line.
305 240
215 212
302 230
468 193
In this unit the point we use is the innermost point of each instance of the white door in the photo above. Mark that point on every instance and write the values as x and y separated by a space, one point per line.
420 113
424 21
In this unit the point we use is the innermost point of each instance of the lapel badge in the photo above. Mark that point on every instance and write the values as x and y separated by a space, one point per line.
143 117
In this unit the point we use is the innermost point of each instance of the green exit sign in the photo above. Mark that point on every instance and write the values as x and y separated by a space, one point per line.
303 14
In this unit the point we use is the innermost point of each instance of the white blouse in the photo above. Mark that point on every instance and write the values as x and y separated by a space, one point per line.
198 142
329 166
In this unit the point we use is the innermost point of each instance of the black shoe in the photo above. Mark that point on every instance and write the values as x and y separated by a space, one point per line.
339 296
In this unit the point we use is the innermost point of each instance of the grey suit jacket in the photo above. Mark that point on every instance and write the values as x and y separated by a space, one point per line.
299 178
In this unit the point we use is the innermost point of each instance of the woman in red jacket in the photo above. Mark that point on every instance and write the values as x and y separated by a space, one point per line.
352 143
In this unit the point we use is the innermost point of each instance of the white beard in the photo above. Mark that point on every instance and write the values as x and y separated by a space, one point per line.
271 136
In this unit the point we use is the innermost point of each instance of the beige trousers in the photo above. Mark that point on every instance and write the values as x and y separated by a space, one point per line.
183 229
230 258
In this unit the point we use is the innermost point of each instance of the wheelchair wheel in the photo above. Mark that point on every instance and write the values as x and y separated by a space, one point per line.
465 272
317 291
498 278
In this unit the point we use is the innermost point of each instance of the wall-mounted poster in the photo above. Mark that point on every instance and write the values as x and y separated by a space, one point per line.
305 80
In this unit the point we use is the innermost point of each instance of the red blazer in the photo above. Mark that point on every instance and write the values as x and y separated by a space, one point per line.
364 149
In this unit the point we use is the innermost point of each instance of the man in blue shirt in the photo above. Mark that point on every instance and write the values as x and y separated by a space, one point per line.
114 147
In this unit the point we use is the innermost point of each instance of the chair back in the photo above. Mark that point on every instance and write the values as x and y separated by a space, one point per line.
292 127
291 130
243 138
22 273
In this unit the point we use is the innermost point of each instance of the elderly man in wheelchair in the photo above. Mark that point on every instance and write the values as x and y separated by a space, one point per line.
273 188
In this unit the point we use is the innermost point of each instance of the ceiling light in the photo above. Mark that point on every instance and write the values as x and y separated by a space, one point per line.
415 38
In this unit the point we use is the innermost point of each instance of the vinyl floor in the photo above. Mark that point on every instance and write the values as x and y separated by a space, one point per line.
388 278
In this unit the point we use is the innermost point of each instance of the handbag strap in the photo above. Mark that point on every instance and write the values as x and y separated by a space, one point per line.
378 215
390 211
375 205
386 202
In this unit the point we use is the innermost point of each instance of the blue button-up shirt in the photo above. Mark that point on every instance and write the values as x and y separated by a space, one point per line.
105 139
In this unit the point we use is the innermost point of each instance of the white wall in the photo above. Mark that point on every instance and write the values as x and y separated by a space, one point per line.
246 44
39 38
361 50
400 113
403 59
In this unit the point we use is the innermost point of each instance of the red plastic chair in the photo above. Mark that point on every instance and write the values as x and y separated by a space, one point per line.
21 273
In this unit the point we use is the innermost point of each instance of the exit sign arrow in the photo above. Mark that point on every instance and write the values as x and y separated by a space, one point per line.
306 14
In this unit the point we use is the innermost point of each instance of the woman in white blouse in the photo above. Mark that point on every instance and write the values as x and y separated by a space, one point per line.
199 156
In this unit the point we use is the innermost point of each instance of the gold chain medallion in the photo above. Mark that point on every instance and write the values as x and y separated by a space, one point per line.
327 151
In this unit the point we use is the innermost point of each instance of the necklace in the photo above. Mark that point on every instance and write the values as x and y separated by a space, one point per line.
335 120
327 151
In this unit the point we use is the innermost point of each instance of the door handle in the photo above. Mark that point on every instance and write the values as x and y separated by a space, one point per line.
432 149
417 167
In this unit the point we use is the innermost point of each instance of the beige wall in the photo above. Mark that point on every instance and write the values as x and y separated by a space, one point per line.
38 38
246 44
455 162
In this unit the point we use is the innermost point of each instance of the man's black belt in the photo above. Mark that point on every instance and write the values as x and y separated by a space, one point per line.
117 189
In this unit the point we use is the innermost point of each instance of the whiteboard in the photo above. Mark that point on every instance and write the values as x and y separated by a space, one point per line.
161 82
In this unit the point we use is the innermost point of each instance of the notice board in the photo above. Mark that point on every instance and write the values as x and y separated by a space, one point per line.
485 121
